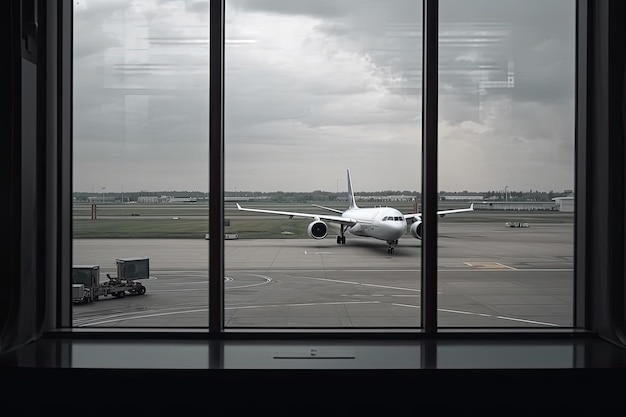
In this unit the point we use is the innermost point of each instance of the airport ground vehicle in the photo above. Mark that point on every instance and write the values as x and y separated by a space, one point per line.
87 287
516 224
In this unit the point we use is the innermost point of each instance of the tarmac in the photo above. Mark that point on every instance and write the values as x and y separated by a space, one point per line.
489 275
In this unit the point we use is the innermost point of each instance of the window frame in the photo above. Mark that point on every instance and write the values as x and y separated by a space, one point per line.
597 267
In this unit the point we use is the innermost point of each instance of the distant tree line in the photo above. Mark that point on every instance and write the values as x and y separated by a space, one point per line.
317 195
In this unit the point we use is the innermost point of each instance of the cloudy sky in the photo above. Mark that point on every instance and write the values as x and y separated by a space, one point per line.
315 87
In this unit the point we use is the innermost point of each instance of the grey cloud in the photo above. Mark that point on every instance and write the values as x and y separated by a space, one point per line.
289 117
320 8
372 22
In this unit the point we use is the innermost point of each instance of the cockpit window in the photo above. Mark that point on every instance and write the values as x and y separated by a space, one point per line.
393 218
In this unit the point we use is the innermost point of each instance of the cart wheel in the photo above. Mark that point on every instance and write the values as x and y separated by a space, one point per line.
141 290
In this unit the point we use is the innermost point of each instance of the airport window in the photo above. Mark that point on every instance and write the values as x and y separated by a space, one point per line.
140 169
506 132
322 100
312 100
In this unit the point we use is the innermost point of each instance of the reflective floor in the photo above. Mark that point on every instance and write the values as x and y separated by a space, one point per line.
494 352
482 375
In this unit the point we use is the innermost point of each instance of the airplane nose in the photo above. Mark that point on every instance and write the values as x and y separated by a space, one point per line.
397 231
401 228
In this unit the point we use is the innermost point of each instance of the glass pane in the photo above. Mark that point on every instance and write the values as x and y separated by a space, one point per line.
506 144
314 90
140 169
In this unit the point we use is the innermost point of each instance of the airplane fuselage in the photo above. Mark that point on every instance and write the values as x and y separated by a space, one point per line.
384 223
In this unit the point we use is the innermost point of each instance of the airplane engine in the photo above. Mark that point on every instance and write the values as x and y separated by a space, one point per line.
317 229
416 230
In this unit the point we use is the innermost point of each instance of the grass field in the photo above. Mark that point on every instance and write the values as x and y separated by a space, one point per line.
191 221
186 228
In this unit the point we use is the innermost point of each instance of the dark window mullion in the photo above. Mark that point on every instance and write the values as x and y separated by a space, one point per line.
581 319
216 167
64 167
429 165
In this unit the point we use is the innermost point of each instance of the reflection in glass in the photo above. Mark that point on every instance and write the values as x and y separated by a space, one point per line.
506 143
140 149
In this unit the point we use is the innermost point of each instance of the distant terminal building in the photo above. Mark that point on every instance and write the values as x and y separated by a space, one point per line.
148 199
101 199
461 197
238 198
153 199
182 200
517 206
245 198
565 204
400 197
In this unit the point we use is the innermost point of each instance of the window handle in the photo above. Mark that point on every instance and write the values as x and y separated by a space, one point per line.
29 29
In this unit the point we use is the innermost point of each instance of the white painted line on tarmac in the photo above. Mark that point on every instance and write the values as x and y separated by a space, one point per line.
303 304
456 311
489 265
483 315
391 288
527 321
248 285
460 269
144 316
185 283
120 317
360 283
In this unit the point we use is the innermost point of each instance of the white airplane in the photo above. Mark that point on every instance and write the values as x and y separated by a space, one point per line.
383 223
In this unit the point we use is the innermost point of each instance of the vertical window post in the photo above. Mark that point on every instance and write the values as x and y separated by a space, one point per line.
581 319
216 167
429 165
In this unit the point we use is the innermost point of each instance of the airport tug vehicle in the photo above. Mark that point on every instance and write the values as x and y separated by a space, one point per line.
87 287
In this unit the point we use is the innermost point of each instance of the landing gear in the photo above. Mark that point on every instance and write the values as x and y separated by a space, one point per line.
341 240
390 244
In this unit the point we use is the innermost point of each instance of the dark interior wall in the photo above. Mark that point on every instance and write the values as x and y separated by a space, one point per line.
605 182
618 105
35 161
6 156
10 180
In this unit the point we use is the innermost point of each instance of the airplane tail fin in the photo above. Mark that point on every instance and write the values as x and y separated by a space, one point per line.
351 200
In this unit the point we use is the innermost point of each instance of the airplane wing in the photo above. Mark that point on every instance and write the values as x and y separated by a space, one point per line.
441 213
329 218
444 212
328 208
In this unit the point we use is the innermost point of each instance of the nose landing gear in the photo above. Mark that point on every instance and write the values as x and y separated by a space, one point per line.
390 246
